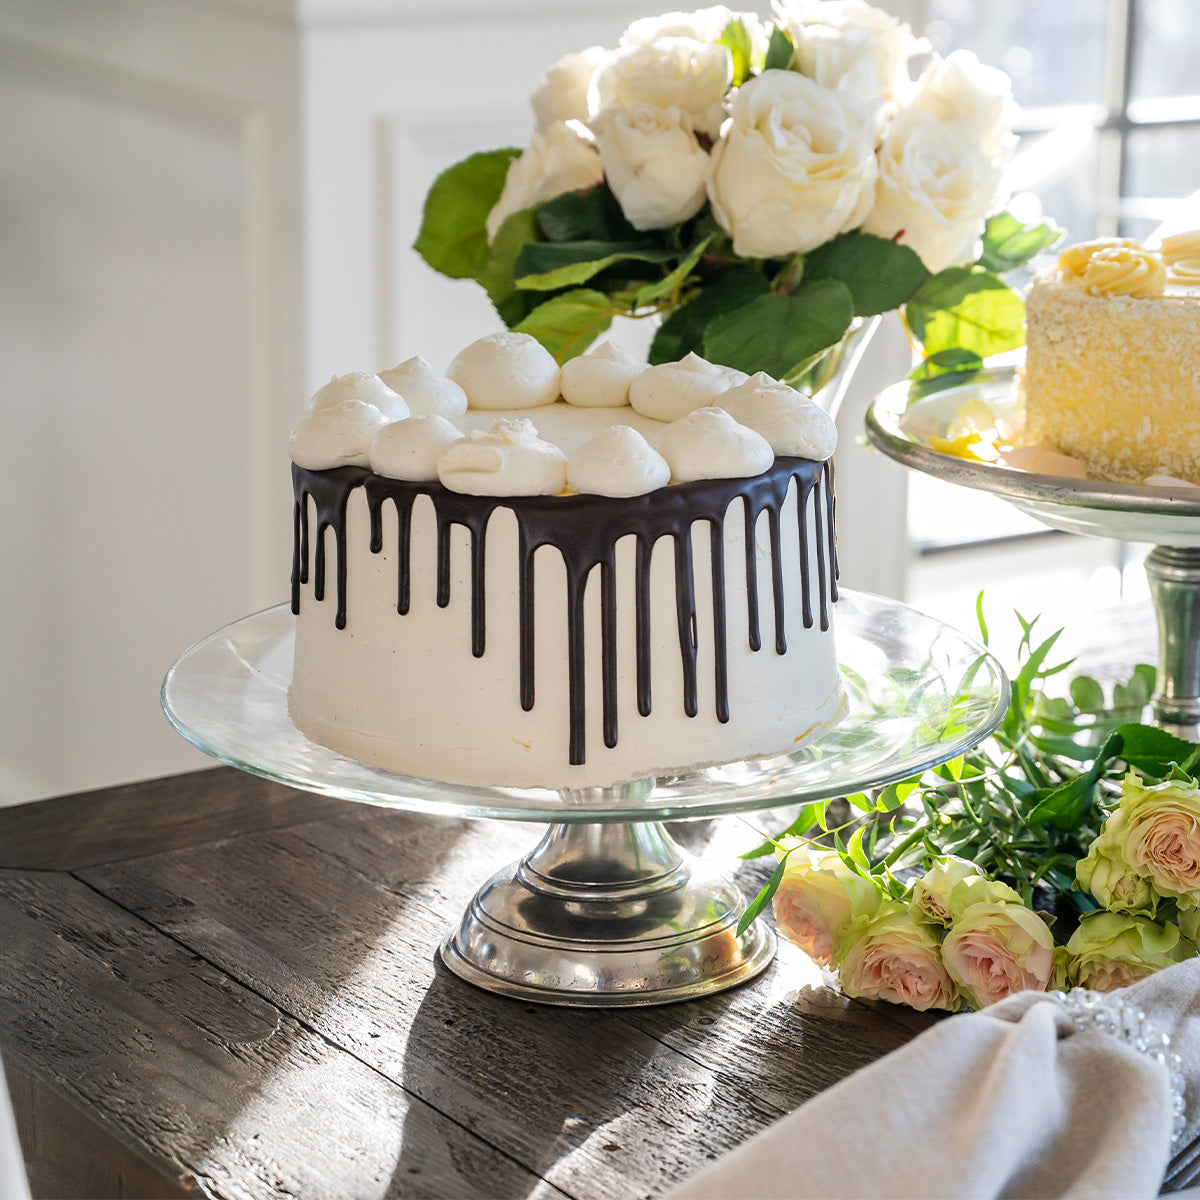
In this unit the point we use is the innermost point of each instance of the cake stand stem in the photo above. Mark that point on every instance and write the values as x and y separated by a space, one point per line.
605 915
1174 575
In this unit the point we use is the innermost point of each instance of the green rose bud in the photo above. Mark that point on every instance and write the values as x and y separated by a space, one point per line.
952 885
1115 884
1112 950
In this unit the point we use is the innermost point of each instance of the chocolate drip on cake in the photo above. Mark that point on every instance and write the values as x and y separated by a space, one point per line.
585 530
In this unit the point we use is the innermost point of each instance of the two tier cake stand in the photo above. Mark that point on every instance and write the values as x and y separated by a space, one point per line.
607 910
1168 518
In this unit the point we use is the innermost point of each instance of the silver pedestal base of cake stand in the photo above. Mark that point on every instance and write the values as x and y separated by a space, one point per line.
607 915
1174 576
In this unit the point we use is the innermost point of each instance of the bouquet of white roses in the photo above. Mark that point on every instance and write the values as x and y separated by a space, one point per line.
1064 852
761 186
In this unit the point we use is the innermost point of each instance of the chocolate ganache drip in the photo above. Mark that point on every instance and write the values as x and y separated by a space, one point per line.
585 531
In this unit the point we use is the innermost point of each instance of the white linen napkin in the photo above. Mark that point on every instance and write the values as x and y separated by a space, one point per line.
1013 1101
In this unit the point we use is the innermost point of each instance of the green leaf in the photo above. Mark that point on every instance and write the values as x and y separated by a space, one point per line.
1007 243
1152 750
780 50
774 333
568 324
979 618
1086 694
544 266
807 817
682 333
881 274
736 38
966 308
669 283
453 235
497 275
763 898
589 216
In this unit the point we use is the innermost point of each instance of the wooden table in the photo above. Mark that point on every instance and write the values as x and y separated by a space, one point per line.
214 985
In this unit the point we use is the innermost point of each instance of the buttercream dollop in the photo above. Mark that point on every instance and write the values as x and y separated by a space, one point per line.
506 370
792 423
600 378
508 460
341 419
669 391
410 449
709 444
425 391
618 461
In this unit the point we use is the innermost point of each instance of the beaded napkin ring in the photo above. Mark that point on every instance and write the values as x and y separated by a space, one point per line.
1109 1014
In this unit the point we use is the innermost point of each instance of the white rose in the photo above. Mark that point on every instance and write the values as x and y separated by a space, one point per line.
935 188
795 166
852 46
673 72
563 88
703 25
655 167
562 159
960 88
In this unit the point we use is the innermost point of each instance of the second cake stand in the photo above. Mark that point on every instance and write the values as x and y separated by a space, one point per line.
1169 518
607 910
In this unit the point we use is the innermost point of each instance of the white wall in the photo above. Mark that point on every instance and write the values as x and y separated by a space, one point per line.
206 209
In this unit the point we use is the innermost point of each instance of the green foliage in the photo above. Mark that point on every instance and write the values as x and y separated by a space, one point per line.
568 324
780 50
497 276
1026 804
453 234
775 333
545 266
682 332
590 215
966 308
881 274
946 368
1008 244
736 37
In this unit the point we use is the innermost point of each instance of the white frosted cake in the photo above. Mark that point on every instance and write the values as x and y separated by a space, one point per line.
524 577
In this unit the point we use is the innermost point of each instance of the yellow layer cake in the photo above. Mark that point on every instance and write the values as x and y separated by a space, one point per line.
1112 373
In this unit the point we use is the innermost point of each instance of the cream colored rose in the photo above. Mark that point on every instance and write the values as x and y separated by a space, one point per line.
562 93
891 957
794 167
1157 832
562 159
852 46
1113 882
704 25
960 88
951 886
818 898
993 950
654 165
672 72
1113 950
935 188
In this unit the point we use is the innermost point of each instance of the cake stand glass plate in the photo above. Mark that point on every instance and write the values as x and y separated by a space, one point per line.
1168 517
607 910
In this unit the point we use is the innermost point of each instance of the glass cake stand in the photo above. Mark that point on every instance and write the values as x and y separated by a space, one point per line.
1169 518
607 910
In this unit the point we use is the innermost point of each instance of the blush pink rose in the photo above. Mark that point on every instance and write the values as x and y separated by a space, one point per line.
994 950
891 957
818 898
1157 831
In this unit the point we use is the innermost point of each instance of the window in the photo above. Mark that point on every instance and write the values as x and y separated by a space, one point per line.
1109 141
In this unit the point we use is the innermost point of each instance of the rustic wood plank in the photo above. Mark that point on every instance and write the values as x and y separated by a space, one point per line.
68 832
210 1083
337 922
